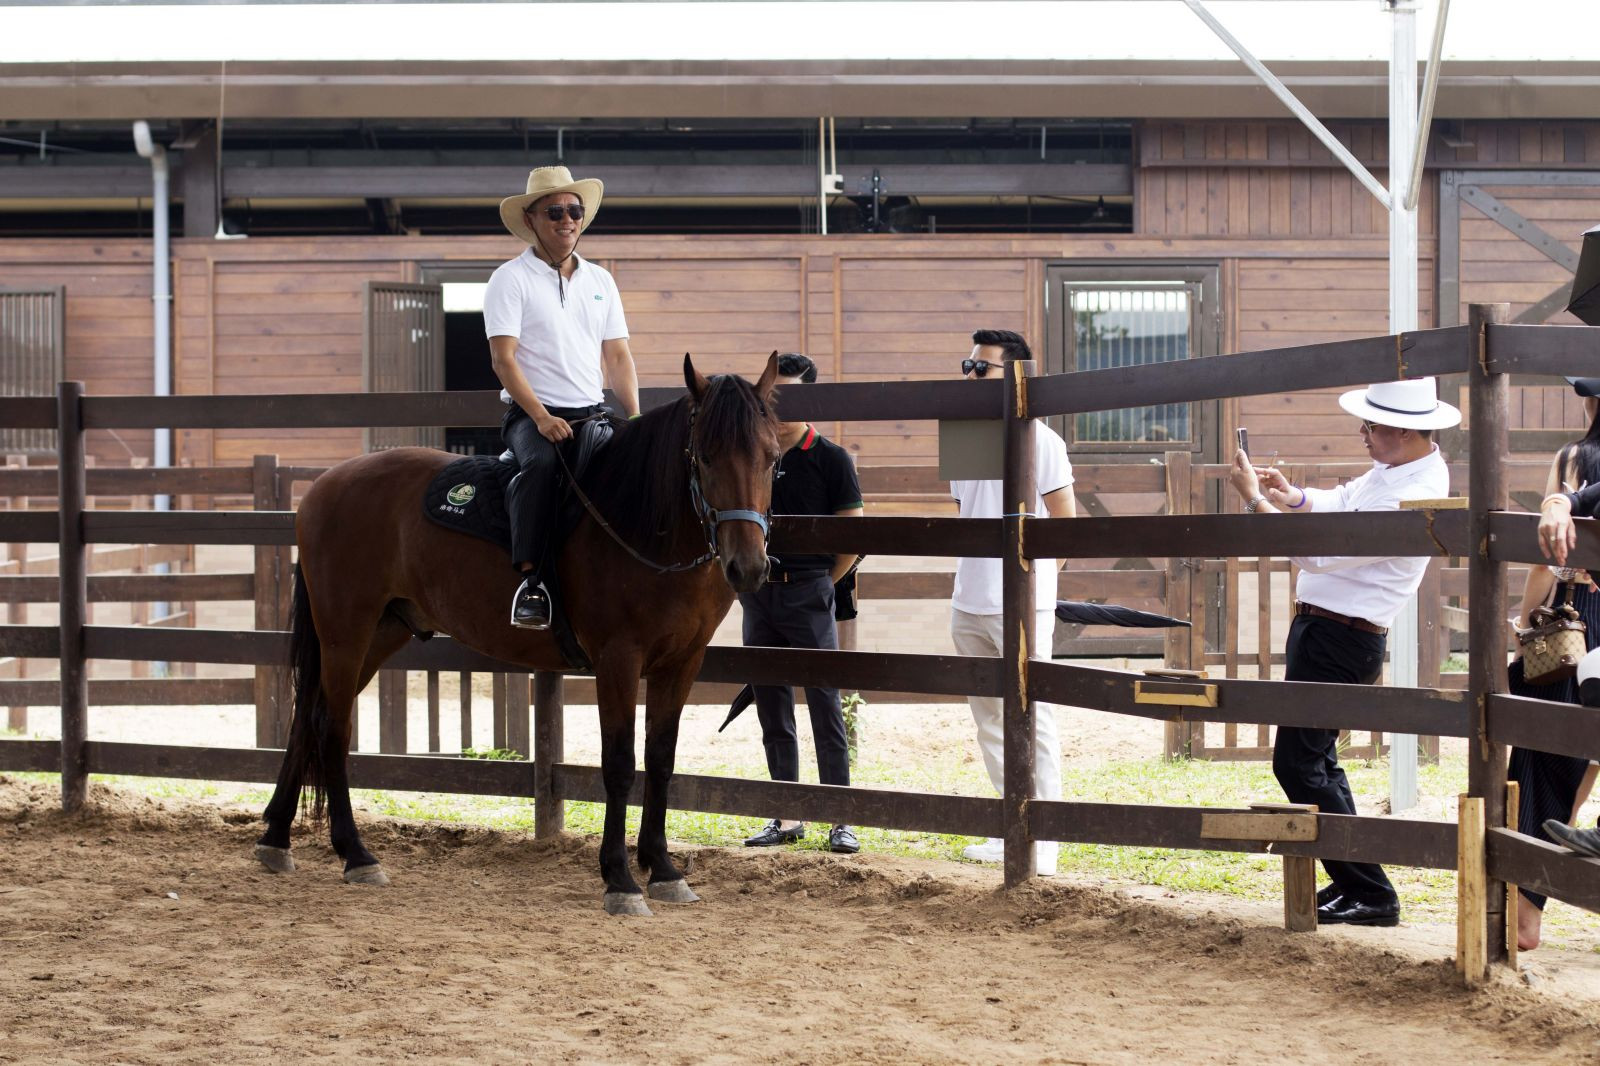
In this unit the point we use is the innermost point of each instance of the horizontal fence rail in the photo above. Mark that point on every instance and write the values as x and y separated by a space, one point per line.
1305 704
1422 353
1345 837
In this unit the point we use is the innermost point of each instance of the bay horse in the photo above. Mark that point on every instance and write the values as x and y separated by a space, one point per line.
689 483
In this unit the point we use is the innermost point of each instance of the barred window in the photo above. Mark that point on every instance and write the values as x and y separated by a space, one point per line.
32 343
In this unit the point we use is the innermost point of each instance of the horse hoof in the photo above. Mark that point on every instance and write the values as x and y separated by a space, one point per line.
366 875
278 860
630 903
673 891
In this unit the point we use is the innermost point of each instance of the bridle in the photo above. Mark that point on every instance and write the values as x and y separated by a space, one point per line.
710 518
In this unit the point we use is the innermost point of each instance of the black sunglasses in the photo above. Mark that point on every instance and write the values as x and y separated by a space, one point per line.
981 366
556 212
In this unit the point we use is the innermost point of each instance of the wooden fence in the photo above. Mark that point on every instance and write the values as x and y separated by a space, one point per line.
1482 846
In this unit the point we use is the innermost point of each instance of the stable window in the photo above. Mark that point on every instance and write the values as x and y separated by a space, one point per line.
32 347
403 351
1107 318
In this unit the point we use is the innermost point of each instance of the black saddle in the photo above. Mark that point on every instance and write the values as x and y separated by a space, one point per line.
469 496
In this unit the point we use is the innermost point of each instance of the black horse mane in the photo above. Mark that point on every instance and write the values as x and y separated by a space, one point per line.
640 480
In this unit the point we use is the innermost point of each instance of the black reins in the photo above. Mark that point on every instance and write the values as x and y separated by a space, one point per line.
709 516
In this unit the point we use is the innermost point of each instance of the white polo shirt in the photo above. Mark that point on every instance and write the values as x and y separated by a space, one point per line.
977 588
559 327
1374 588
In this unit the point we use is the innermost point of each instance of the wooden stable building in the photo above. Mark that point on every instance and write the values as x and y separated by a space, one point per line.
1244 236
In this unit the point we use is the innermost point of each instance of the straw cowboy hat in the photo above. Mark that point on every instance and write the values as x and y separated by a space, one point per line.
1410 404
546 181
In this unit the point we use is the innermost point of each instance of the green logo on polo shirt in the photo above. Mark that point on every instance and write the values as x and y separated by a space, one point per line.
597 296
461 495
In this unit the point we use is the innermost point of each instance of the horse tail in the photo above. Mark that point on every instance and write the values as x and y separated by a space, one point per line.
308 730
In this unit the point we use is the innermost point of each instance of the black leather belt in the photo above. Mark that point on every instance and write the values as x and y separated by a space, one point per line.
789 577
1343 619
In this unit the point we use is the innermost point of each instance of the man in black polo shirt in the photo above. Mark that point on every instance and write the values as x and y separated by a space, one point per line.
794 609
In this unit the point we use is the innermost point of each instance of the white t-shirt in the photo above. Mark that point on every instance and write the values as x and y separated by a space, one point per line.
977 588
1371 587
559 329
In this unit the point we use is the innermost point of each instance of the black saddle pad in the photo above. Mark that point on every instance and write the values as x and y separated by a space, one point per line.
469 496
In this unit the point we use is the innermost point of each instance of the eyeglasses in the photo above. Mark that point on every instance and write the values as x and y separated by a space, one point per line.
556 212
1370 428
975 366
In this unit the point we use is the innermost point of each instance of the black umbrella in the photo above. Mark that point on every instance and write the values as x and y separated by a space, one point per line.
1109 614
745 698
1585 301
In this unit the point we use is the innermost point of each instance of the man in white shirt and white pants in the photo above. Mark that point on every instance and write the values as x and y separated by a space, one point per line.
556 334
976 620
1346 605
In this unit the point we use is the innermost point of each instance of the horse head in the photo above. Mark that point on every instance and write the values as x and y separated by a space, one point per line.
733 450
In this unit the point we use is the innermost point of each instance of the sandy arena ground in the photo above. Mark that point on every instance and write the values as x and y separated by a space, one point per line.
143 932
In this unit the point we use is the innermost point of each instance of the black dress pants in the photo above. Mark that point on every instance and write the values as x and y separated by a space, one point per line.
797 614
1306 761
531 496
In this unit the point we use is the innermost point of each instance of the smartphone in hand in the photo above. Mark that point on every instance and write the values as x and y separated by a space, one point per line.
1243 437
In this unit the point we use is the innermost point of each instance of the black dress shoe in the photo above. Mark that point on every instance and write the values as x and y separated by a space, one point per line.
1585 842
530 607
1349 911
843 841
772 834
1327 895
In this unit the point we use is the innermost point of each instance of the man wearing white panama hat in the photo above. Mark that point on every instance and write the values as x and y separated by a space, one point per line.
1346 604
557 335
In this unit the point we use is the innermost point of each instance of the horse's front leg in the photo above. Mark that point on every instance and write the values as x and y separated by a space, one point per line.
663 709
617 690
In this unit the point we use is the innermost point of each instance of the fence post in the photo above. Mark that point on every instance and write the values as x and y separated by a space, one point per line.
74 597
549 748
1486 761
517 738
1017 604
272 710
1178 652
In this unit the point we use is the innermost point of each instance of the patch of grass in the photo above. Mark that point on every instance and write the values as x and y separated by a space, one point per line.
501 754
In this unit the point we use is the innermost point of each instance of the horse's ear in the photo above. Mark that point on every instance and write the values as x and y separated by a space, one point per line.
695 380
768 376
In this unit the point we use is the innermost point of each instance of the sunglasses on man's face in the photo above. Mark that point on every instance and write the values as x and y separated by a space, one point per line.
975 366
556 212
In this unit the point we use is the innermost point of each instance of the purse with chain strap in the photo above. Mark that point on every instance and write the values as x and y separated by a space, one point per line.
1553 642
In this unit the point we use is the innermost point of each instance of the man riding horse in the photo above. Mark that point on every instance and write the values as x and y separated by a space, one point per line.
556 335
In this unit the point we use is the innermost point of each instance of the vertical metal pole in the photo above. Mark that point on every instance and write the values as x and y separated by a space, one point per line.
1403 641
1486 589
1017 605
74 577
549 748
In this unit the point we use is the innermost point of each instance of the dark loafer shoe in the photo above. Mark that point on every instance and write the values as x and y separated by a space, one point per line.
1583 841
1324 910
530 607
1353 912
772 835
843 841
1328 895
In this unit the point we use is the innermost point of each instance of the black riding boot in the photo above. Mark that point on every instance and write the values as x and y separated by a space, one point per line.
530 607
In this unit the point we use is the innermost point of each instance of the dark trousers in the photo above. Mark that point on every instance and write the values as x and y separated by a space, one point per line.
531 496
797 614
1306 761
